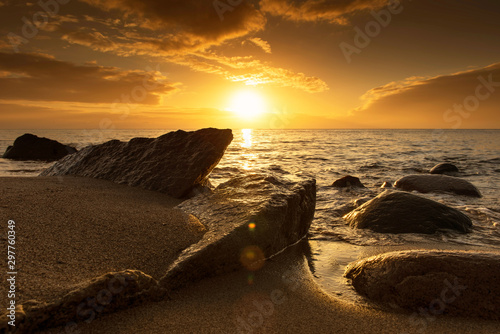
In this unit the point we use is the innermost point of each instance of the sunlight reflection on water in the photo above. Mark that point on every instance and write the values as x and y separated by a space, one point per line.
247 138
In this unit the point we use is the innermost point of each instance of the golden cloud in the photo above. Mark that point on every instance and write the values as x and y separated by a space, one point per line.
334 11
467 99
40 77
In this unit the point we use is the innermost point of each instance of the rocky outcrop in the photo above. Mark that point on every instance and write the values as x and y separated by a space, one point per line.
249 219
444 168
103 294
348 182
437 184
399 212
31 147
433 282
174 163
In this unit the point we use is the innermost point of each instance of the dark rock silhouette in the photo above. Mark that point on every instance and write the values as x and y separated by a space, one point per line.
437 184
399 212
174 163
31 147
461 283
444 168
347 182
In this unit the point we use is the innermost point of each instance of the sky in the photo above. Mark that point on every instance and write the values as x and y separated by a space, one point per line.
271 64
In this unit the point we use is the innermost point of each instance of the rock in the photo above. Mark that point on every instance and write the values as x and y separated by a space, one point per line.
174 163
110 292
444 168
348 182
462 283
31 147
438 184
249 219
386 185
399 212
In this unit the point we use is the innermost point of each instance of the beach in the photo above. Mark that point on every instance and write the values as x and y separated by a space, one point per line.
281 297
70 230
264 166
229 304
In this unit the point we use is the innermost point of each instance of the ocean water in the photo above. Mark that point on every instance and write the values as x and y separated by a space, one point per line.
375 156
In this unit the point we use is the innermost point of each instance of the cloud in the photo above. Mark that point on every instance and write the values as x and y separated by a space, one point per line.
184 32
333 11
467 99
250 71
190 24
39 77
261 44
92 39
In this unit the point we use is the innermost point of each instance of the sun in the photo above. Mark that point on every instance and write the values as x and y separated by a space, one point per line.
247 104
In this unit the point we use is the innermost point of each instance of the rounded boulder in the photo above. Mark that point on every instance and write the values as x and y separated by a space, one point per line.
400 212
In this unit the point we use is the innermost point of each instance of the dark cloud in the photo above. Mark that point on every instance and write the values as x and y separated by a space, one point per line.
318 10
39 77
467 99
197 21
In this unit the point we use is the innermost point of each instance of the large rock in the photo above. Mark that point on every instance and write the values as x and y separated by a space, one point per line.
249 219
432 282
399 212
174 163
437 184
444 168
348 182
31 147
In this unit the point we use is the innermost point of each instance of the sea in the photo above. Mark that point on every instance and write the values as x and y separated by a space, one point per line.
374 156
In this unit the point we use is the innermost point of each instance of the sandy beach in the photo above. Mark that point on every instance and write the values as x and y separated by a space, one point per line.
70 230
229 304
75 229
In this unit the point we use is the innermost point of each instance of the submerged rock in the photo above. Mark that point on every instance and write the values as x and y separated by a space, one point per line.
348 182
249 219
31 147
173 164
434 282
444 168
399 212
437 183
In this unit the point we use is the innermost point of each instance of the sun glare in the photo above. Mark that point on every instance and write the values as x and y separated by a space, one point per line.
247 104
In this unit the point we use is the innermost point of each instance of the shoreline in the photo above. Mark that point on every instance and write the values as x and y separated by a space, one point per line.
285 285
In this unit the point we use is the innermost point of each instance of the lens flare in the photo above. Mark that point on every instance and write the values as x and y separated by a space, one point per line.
252 258
251 227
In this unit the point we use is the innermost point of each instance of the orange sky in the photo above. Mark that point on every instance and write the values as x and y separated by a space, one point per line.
87 64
